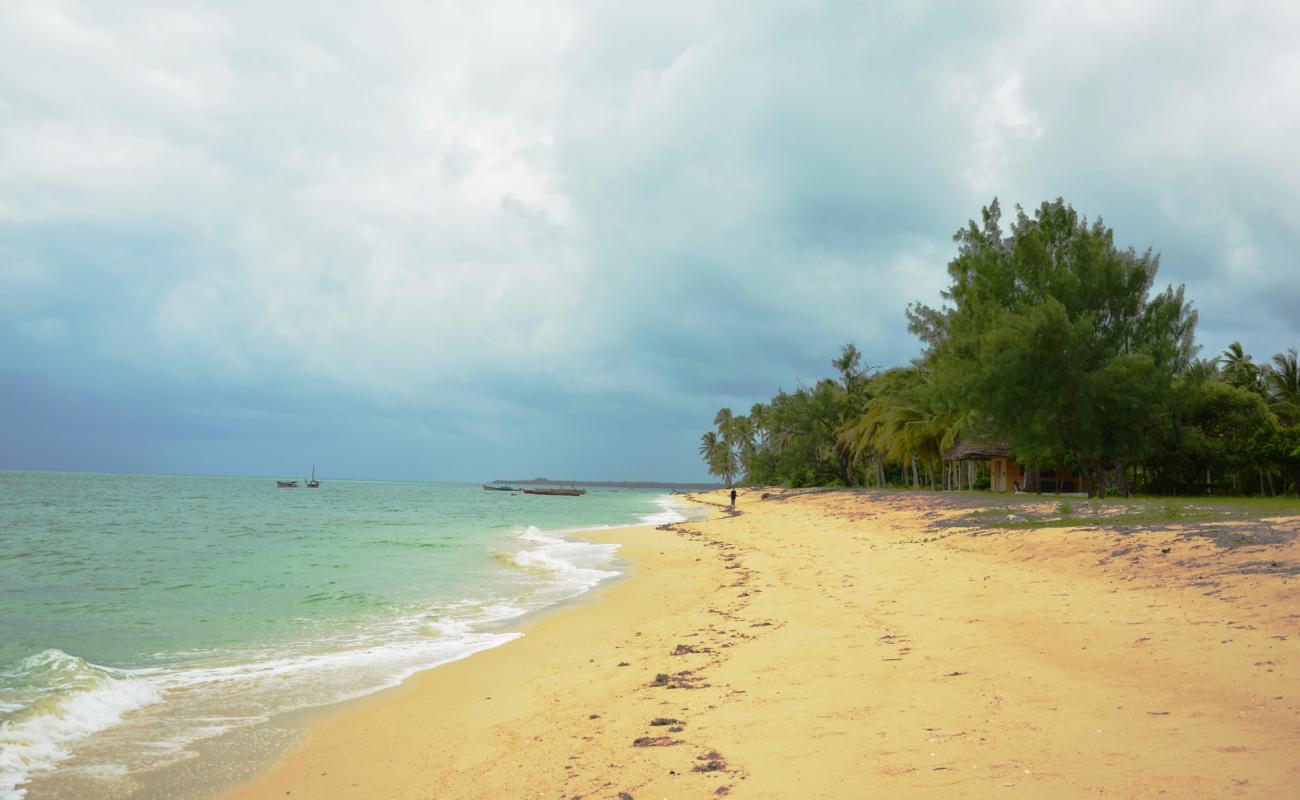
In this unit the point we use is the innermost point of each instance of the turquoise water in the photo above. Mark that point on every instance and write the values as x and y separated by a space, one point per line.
141 615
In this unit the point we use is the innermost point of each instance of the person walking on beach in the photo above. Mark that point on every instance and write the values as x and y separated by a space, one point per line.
733 499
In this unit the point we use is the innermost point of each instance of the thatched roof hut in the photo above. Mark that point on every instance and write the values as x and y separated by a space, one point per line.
978 451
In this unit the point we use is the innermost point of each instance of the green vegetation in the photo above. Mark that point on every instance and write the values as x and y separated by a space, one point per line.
1052 341
1019 513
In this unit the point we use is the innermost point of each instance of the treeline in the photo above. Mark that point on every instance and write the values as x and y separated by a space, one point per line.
1051 341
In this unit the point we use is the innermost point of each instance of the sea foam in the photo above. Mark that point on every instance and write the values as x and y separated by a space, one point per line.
313 558
574 566
670 511
201 701
69 699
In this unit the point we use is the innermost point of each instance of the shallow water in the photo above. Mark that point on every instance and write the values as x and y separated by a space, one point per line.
141 616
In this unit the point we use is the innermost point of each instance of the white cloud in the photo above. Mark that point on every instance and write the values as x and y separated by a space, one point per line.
1002 126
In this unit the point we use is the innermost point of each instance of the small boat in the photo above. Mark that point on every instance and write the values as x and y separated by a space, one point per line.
287 484
489 487
312 483
565 492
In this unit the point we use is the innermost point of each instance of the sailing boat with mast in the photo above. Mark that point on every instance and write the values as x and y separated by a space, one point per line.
312 483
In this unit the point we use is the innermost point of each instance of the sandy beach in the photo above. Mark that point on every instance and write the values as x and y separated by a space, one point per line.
863 645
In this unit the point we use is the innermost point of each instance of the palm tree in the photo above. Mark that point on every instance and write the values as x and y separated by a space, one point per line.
709 446
742 429
719 457
1201 370
725 421
758 419
731 431
1240 369
1283 382
900 426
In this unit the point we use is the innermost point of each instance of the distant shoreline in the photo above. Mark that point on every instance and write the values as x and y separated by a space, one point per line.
691 487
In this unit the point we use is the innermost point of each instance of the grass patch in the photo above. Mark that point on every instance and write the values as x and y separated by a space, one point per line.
1028 511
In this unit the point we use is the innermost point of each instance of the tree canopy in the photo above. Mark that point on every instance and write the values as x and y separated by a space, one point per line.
1053 340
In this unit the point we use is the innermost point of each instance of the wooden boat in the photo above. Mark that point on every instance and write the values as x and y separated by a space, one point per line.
565 492
489 487
312 483
287 484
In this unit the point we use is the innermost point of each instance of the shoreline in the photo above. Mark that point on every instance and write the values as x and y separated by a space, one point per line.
841 644
227 768
213 761
545 643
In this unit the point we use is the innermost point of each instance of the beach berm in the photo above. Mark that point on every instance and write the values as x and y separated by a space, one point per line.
841 644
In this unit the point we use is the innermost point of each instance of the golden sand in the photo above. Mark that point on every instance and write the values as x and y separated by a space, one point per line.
834 645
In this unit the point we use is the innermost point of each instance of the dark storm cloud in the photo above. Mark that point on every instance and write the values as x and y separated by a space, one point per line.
440 242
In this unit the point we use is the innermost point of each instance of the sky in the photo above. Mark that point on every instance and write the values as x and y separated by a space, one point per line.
471 241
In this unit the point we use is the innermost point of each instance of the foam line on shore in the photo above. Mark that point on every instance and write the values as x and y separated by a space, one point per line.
187 704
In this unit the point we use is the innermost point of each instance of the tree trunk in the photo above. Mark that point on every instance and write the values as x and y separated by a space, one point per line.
1099 481
1121 479
916 481
1031 478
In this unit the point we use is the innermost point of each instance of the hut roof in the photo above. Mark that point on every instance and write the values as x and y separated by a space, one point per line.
978 451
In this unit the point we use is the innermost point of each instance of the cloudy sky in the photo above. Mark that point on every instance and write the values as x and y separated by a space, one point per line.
464 241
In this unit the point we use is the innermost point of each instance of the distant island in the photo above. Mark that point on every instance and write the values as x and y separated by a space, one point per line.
693 487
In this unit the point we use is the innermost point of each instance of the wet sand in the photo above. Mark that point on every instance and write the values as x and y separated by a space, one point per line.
858 645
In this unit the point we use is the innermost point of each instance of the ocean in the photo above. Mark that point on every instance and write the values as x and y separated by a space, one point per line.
144 617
